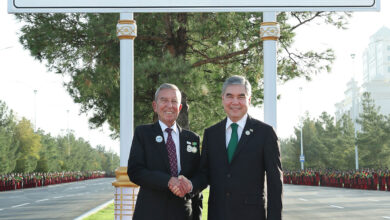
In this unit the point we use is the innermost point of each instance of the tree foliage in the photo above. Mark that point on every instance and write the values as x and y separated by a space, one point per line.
373 140
196 51
8 153
22 150
328 143
29 145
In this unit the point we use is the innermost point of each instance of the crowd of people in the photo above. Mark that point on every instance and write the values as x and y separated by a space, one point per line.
16 181
368 179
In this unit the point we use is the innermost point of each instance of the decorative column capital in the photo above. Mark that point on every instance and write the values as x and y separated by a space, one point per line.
122 179
126 29
270 31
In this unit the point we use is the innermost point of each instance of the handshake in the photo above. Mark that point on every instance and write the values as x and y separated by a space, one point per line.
180 186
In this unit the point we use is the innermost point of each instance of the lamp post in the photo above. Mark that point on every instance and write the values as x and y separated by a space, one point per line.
35 110
354 116
67 130
356 151
302 157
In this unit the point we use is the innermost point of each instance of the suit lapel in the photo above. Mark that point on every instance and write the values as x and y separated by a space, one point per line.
161 145
245 136
182 148
222 139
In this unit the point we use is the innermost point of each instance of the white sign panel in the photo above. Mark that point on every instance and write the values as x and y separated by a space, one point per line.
107 6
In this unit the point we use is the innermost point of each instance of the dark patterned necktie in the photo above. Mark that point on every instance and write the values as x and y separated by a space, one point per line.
171 148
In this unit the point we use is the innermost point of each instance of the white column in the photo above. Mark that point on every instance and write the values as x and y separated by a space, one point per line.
126 86
125 191
269 33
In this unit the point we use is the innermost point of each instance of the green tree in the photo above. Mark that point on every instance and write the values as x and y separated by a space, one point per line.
204 49
289 154
345 142
327 135
49 154
113 161
29 145
23 151
330 144
311 147
326 144
76 153
373 139
7 141
386 146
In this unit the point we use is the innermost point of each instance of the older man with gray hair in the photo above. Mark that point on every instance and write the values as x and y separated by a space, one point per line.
162 155
237 154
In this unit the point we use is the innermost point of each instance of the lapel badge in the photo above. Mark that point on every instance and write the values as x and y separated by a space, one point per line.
189 148
188 142
247 132
194 143
194 150
251 129
159 139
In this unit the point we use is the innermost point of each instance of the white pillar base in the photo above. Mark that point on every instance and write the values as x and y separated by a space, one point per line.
125 198
126 194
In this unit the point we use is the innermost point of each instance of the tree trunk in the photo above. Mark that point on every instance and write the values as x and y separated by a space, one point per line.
177 44
183 120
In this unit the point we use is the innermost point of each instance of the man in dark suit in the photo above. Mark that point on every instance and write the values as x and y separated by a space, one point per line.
237 154
161 155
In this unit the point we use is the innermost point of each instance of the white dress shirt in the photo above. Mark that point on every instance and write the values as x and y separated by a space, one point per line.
241 124
176 140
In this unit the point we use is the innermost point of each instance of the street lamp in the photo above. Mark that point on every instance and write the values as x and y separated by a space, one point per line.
67 130
302 157
354 116
35 110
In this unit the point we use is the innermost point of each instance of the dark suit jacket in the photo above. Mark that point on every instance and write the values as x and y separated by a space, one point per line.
148 167
237 189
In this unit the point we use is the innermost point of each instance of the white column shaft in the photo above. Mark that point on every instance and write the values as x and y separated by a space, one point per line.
270 69
126 94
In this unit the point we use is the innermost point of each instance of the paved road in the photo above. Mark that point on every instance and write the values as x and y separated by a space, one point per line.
70 200
308 202
62 201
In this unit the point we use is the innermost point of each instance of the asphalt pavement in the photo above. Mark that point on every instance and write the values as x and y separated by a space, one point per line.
61 201
71 200
313 202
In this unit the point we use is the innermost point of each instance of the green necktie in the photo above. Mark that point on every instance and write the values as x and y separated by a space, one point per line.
233 141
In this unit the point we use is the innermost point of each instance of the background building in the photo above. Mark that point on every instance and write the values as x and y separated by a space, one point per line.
351 103
376 78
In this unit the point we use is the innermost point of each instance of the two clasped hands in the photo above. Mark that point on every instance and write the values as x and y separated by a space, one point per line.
180 185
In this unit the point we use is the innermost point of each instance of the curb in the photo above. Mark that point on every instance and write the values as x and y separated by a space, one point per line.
94 210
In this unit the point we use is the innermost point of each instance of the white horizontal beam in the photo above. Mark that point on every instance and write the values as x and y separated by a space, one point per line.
118 6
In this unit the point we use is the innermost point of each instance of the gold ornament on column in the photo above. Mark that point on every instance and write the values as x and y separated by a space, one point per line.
269 31
126 29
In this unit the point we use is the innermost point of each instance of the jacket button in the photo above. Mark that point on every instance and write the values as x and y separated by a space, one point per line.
228 176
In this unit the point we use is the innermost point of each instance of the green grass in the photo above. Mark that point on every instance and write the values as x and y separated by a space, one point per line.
104 214
205 200
108 212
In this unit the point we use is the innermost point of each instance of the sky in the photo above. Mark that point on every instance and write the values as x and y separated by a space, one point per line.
55 111
326 89
21 74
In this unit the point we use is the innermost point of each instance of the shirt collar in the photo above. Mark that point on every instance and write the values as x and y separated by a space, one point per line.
164 126
241 123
